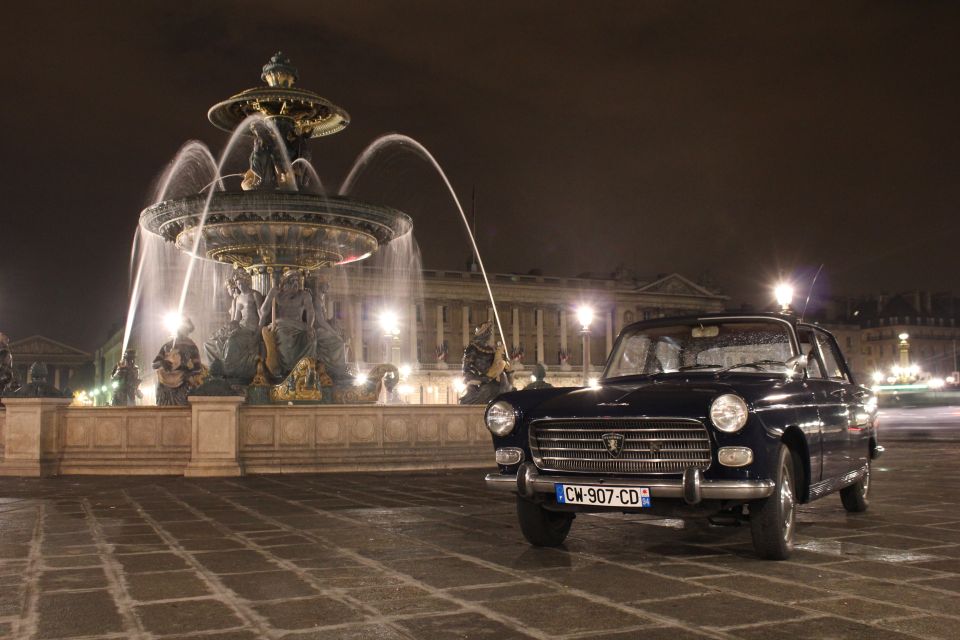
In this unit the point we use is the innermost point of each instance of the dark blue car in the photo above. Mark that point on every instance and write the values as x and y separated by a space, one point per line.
732 417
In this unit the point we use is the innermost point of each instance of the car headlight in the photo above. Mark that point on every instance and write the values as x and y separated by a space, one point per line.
729 413
500 418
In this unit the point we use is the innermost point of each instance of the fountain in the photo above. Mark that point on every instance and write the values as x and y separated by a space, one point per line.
262 243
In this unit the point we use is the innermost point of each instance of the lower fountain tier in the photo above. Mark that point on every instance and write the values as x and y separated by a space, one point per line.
262 229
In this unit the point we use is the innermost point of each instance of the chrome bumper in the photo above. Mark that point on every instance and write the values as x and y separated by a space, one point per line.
692 488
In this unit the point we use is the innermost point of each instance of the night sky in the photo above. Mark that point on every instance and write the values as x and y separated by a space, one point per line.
727 141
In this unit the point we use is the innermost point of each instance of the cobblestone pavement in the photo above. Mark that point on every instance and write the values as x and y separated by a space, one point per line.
435 556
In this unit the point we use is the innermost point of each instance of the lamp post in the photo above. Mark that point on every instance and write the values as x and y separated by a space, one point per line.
904 350
585 318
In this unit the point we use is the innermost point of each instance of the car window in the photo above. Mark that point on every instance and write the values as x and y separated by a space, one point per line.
808 349
831 357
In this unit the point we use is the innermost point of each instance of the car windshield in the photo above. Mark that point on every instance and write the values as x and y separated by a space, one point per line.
709 345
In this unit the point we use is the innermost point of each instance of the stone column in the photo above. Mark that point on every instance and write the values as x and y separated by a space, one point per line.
541 358
412 336
356 332
609 319
31 442
440 335
466 325
563 338
56 377
515 335
215 436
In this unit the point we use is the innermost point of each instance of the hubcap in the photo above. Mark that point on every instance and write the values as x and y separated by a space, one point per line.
865 483
787 505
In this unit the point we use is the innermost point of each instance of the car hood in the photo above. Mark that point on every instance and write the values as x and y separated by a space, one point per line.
686 397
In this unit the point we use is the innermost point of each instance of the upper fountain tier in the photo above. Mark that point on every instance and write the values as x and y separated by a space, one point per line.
311 115
273 222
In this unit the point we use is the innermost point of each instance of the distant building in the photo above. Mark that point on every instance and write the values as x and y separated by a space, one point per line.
69 367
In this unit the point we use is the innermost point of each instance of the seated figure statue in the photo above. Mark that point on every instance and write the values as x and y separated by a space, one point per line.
237 344
290 335
127 376
178 368
330 343
486 368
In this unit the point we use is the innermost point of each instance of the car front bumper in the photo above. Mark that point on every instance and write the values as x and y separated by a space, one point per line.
692 488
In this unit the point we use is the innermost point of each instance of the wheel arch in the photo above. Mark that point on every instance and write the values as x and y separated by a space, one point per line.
796 442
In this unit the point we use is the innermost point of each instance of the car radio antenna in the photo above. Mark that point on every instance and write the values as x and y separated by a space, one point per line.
810 291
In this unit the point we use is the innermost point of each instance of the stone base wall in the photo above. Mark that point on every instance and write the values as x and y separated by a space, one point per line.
210 439
362 438
124 440
3 424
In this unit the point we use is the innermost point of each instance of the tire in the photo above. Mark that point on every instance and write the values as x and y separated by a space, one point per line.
542 528
856 497
773 519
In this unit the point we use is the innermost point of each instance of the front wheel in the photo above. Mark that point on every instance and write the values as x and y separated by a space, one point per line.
772 519
541 527
856 497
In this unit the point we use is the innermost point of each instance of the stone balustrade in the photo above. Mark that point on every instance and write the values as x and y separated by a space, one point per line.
223 437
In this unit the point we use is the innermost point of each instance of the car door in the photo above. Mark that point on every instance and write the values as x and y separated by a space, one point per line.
831 409
852 397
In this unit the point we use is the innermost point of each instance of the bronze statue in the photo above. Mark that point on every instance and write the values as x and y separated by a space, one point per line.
486 367
236 345
178 368
539 373
7 374
330 344
127 376
290 335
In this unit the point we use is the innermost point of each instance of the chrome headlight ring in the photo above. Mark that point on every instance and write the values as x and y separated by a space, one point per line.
729 413
500 418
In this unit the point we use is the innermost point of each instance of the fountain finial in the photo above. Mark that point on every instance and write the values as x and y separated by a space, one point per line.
278 72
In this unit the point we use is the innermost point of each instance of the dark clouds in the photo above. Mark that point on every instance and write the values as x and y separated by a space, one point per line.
725 139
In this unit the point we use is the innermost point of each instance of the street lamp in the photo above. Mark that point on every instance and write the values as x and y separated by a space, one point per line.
585 317
783 292
390 324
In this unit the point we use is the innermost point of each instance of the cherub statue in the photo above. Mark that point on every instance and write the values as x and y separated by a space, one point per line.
127 376
178 367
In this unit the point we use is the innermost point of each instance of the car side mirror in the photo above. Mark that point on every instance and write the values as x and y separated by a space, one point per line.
797 363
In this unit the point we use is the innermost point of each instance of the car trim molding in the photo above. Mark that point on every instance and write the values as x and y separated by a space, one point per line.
822 488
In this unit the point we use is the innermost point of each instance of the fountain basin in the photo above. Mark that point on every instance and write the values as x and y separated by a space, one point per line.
275 229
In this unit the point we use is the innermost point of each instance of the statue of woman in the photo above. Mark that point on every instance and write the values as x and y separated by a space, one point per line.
237 344
330 343
127 376
178 368
290 335
486 367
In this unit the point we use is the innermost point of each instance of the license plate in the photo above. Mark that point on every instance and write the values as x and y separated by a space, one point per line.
602 495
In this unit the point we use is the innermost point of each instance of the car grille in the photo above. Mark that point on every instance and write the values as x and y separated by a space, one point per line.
649 445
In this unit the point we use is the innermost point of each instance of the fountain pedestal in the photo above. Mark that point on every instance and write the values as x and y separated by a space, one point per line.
31 444
214 437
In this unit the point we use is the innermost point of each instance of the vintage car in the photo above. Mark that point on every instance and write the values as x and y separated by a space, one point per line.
733 417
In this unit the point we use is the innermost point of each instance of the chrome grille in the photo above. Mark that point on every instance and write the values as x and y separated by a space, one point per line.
650 445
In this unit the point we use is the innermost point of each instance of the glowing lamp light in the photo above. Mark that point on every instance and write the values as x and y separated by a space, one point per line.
459 385
360 380
891 379
405 370
404 389
390 322
783 292
585 316
115 384
935 383
904 336
533 378
951 380
172 321
878 376
593 383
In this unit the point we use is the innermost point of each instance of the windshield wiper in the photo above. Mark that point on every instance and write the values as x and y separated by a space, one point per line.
691 367
757 364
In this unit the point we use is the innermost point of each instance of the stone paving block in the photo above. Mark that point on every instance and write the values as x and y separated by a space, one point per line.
70 614
61 579
268 585
858 608
718 610
145 587
240 561
147 562
308 613
927 627
449 572
779 591
185 616
648 633
564 614
502 591
353 577
68 562
462 626
817 629
620 585
351 632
